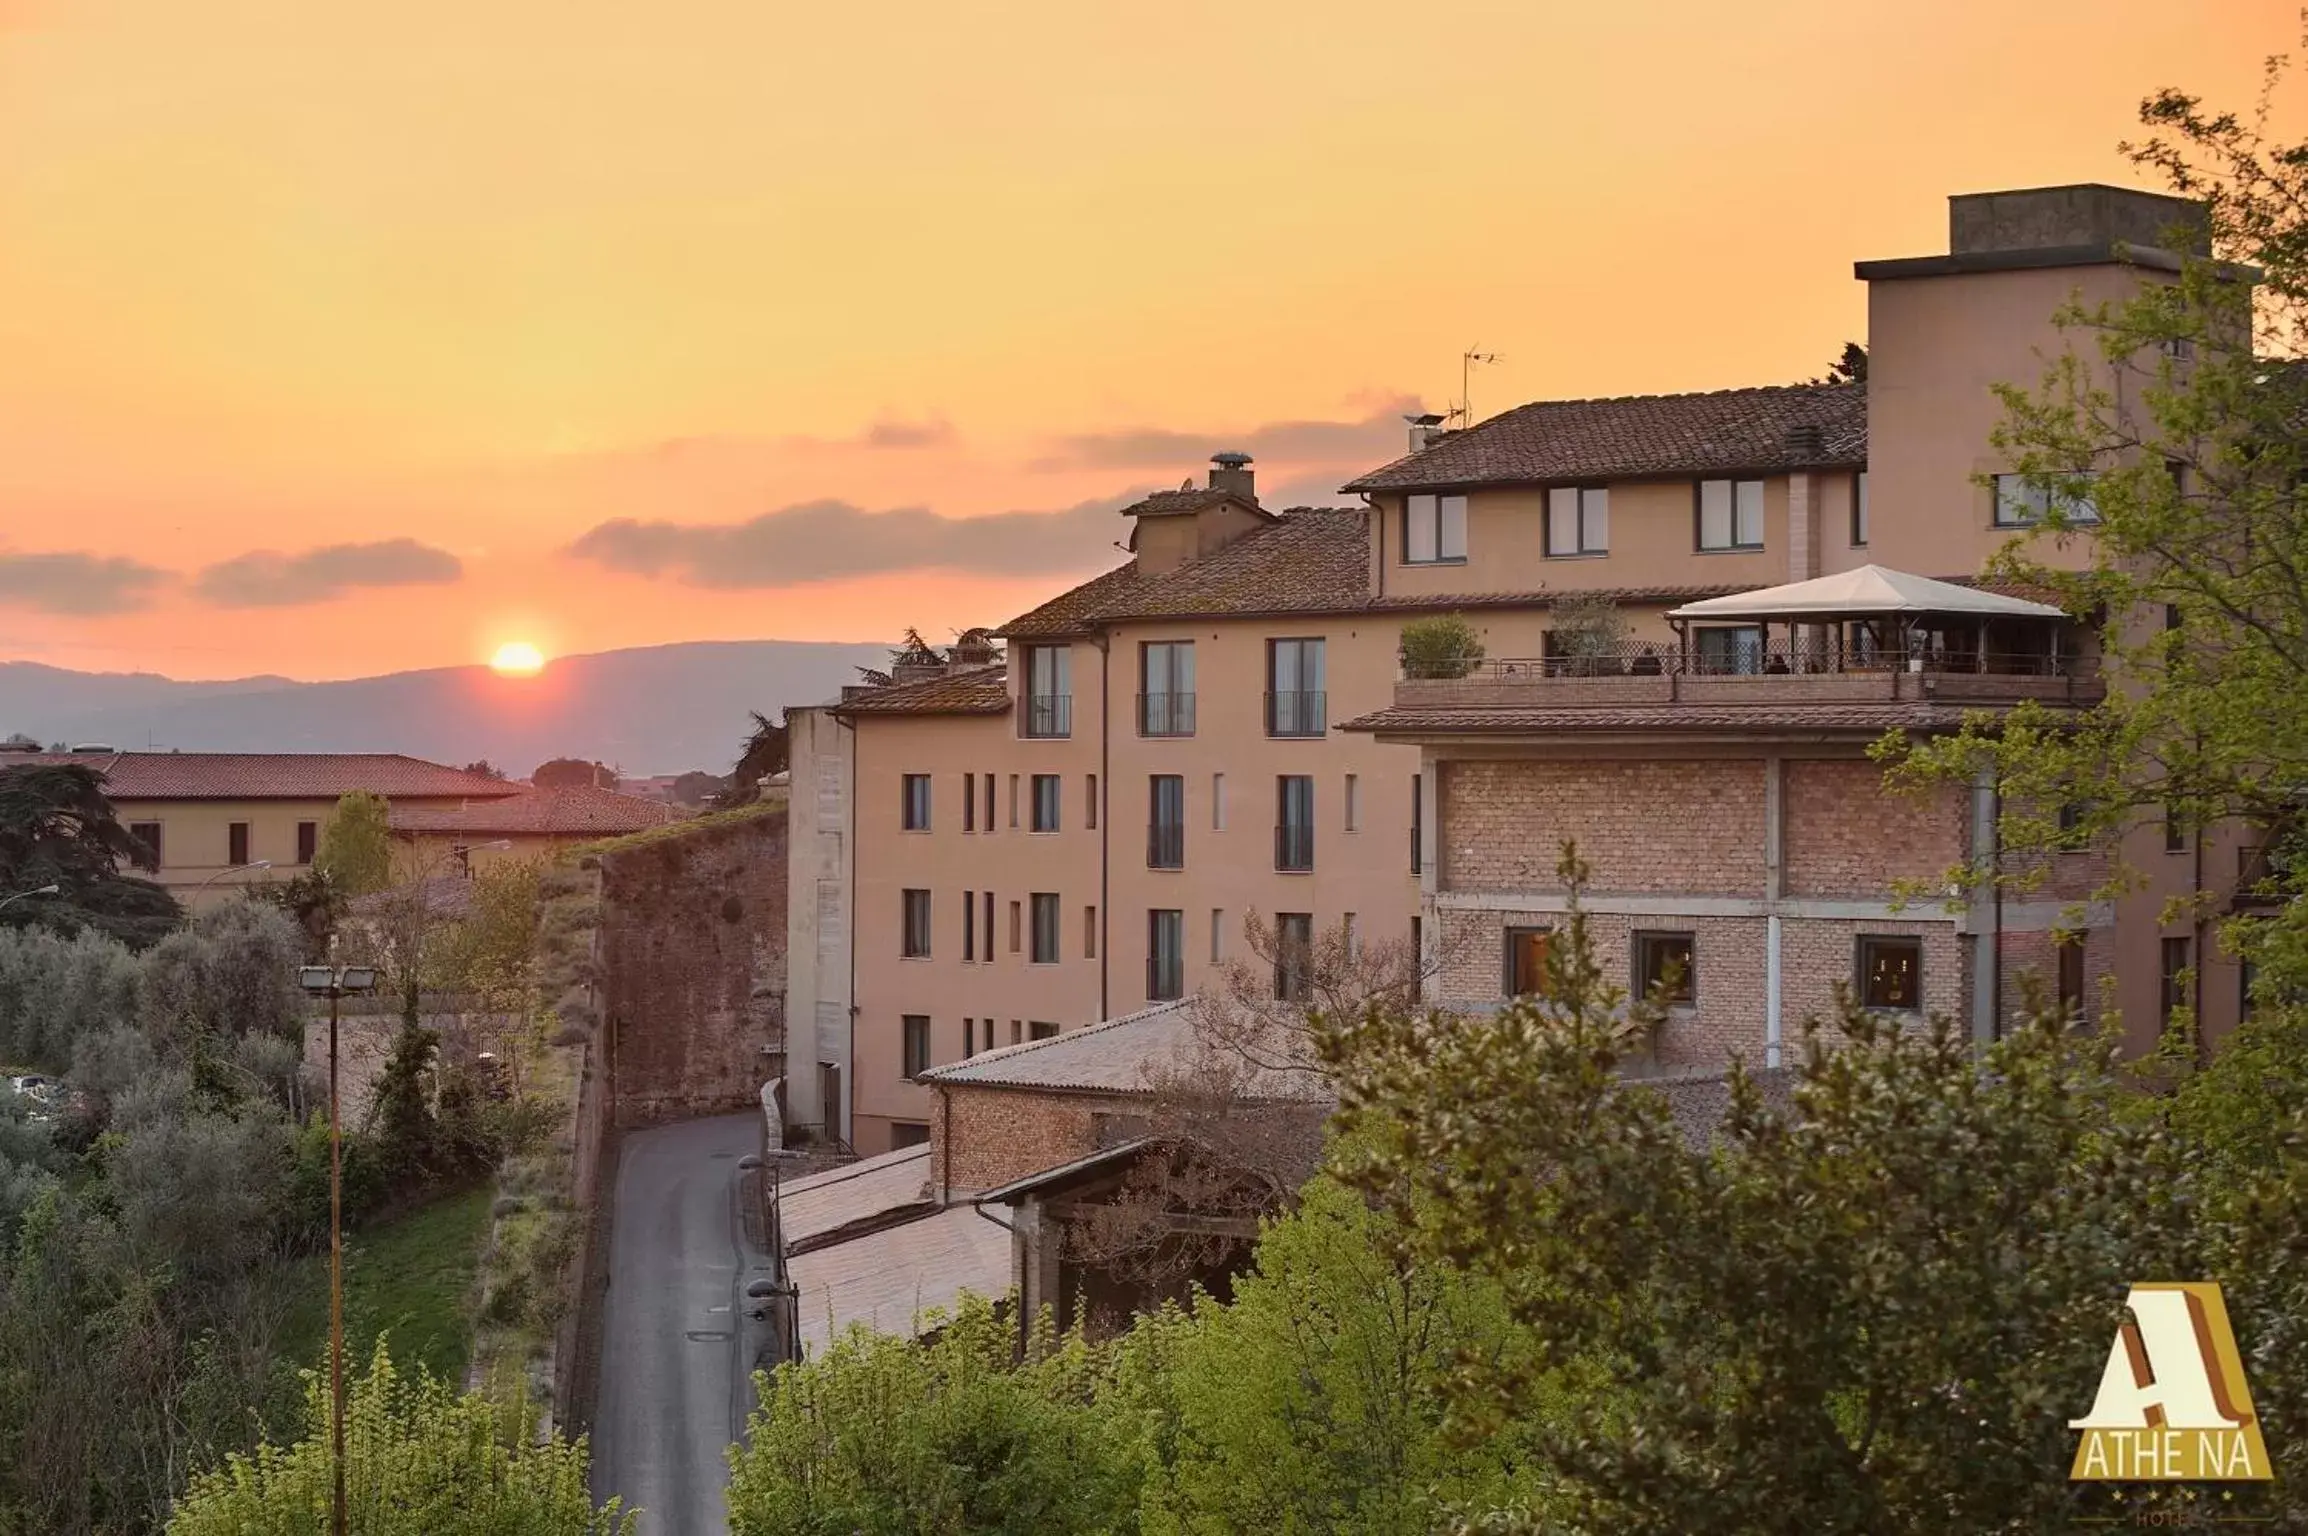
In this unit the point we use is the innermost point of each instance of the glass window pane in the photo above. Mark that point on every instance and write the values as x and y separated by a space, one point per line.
1750 526
1594 520
1563 521
1452 540
1714 514
1418 528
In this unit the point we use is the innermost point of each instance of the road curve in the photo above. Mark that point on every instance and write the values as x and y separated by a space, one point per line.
674 1388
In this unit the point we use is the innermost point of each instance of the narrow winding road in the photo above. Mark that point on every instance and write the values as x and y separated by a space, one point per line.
675 1346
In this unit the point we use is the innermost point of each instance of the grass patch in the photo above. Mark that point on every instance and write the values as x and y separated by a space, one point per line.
411 1278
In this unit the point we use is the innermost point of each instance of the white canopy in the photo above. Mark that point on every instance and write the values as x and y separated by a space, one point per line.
1867 591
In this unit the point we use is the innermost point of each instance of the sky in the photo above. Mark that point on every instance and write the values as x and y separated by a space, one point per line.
338 340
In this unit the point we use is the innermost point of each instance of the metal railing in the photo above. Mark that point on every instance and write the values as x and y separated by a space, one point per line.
1294 847
1049 714
1778 657
1166 714
1301 713
1166 845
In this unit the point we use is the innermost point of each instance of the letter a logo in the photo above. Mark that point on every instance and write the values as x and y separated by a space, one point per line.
2172 1403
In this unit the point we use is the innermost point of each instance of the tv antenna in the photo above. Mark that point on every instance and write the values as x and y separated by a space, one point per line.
1463 413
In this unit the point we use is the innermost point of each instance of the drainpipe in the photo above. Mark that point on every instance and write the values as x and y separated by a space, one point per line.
1774 841
1987 912
1105 820
1771 983
849 916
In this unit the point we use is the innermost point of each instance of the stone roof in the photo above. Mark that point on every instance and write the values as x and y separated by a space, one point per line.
1698 1101
576 811
1774 427
890 1279
1130 1054
812 1209
1190 499
1661 718
959 691
272 775
1308 560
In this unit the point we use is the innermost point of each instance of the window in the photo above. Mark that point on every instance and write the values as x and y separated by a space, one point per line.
1353 803
969 925
1017 926
147 833
1730 514
917 925
986 931
1417 822
1049 690
1294 823
1526 967
1859 510
1090 931
1166 821
1165 954
1013 802
829 1094
1891 973
1418 943
1166 688
1434 529
1353 936
1090 801
969 802
2070 955
1295 703
1293 956
1217 934
2175 829
1666 968
989 802
236 844
1041 1031
970 1037
1578 520
1218 802
2020 502
2174 991
916 1044
908 1133
308 840
1730 648
1045 802
1045 927
917 802
2071 822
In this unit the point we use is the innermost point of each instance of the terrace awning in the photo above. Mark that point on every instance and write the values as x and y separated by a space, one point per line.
1869 591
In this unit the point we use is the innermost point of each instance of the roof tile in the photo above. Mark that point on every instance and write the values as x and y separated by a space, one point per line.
962 691
577 811
1516 720
273 775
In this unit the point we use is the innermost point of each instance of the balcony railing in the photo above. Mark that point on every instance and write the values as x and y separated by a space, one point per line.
1165 977
1166 714
1811 657
1294 847
1049 714
1166 845
1302 713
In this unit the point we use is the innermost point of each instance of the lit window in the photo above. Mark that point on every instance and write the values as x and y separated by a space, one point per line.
1665 968
1891 973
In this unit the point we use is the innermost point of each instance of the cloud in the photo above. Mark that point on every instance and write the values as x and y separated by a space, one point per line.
69 582
830 540
890 432
266 578
1366 442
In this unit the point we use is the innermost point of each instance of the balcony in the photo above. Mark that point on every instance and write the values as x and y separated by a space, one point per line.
1300 713
1048 715
1294 847
1166 714
1166 845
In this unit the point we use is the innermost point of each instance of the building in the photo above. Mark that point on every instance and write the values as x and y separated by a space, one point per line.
1074 830
525 826
217 821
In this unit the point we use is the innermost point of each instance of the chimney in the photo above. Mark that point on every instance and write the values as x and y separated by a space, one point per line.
1806 442
1230 472
1423 430
917 667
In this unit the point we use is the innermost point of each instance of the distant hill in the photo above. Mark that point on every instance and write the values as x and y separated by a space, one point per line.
654 709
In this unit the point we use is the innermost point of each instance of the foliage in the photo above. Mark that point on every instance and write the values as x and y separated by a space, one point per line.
697 788
883 1437
485 769
57 991
1441 645
2176 415
1849 367
232 971
58 828
356 847
574 773
1587 627
422 1460
767 750
312 901
408 1278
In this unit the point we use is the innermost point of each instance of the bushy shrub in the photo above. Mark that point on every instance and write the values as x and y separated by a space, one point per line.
1440 646
231 971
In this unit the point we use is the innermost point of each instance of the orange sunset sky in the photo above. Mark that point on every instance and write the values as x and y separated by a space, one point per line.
342 339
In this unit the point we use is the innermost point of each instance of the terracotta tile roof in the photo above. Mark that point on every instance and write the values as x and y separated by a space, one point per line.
813 1209
273 775
1311 560
1454 602
892 1278
1516 720
1186 499
1766 428
1072 611
577 811
1131 1054
962 691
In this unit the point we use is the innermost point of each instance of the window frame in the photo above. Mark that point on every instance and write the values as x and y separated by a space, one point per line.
1054 821
909 931
1053 720
1512 938
914 802
2171 990
1294 789
1303 648
1581 507
1157 826
308 842
1175 977
1859 509
915 1056
1437 518
1736 545
1293 939
1045 923
1864 948
156 842
1644 946
2069 990
1041 1029
237 836
1177 709
2010 488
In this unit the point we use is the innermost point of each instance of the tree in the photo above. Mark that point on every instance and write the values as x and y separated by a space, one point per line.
1442 645
697 788
2174 430
767 751
484 769
422 1460
312 901
230 972
57 827
1848 368
573 773
1589 633
356 847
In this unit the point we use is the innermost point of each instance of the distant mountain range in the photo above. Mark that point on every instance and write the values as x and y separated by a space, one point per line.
653 709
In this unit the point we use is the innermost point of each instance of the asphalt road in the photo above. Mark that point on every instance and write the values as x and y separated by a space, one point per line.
675 1346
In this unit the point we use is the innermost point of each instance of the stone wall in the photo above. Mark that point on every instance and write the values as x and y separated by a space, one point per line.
692 966
1640 825
983 1137
1847 836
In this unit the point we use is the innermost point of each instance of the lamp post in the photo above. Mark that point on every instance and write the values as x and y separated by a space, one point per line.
336 983
45 890
234 869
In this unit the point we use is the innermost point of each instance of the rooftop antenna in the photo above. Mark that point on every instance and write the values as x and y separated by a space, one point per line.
1464 411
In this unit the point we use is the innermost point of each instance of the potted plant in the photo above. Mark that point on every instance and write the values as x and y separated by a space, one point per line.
1441 646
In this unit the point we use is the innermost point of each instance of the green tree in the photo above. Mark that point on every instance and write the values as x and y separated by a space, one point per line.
1442 645
57 827
356 847
573 773
230 972
422 1460
766 750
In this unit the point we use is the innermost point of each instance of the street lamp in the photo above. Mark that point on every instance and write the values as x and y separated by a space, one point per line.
336 983
45 890
235 869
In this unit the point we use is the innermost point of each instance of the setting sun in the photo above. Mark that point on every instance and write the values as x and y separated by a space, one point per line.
517 658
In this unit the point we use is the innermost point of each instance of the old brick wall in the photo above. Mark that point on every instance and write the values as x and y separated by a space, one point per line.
693 967
983 1136
1847 836
1690 827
